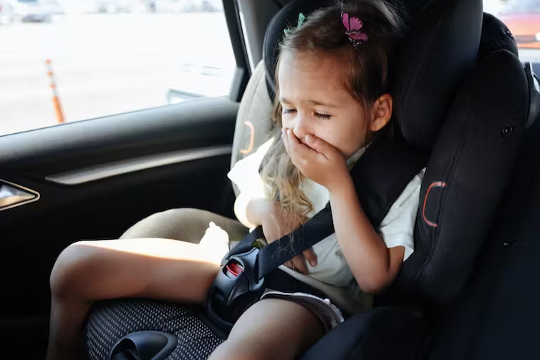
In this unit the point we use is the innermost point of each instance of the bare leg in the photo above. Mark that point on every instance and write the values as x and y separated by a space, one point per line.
94 270
271 329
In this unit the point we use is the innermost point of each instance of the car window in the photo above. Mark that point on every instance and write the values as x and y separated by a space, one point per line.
523 19
521 6
69 60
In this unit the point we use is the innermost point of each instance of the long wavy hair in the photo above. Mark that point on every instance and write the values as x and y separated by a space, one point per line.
363 71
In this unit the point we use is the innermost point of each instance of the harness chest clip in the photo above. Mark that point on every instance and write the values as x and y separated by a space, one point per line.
235 288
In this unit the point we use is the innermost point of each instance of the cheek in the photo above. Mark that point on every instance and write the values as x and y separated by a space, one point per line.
286 122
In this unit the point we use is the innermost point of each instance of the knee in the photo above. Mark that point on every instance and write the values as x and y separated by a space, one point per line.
67 270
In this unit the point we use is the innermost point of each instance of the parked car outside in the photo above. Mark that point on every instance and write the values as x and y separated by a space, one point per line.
33 11
7 11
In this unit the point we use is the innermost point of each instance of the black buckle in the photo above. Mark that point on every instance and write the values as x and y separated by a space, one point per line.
235 289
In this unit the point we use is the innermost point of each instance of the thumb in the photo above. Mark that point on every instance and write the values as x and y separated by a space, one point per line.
311 257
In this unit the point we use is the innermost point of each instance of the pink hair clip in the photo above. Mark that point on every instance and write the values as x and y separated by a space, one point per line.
353 26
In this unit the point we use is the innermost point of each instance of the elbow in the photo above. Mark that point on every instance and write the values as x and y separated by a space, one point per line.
381 275
376 284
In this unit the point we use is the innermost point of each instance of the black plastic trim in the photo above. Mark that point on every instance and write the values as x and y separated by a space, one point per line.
243 71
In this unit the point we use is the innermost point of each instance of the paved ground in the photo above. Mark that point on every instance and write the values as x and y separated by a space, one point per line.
107 64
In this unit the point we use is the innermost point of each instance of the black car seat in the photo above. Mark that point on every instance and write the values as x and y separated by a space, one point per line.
497 315
498 101
467 173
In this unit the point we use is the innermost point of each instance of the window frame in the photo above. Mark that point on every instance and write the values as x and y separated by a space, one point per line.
243 70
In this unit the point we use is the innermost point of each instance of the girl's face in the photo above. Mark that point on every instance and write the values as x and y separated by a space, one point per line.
314 102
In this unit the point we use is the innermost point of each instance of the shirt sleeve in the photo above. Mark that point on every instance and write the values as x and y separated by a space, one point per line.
397 228
245 174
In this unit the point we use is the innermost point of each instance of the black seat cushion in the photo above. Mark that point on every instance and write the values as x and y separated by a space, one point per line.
113 319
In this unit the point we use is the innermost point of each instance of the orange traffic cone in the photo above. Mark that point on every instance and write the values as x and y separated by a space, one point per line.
55 98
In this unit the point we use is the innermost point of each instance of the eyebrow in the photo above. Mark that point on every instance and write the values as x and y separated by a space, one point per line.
313 102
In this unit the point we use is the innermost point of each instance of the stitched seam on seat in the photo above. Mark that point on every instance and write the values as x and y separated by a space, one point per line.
451 168
250 110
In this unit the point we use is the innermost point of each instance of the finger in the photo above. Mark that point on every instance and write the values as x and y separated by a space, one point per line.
321 146
310 257
296 148
300 264
285 139
293 140
289 264
291 146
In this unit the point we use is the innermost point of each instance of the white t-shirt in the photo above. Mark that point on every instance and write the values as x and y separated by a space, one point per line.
332 274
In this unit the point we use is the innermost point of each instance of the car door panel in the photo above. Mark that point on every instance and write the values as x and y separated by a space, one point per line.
182 153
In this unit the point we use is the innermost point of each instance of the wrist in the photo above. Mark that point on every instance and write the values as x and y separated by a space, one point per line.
341 184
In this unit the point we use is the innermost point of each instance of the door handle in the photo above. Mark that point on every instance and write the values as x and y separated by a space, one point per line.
12 195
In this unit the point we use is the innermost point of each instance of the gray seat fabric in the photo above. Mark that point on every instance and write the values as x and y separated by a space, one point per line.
254 119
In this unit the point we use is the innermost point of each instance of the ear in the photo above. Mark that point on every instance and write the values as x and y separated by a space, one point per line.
382 112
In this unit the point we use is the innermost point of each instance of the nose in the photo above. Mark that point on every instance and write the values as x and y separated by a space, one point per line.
301 127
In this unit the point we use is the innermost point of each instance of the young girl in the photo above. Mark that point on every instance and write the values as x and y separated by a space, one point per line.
330 104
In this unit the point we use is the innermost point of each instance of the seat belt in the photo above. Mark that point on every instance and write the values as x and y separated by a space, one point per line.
380 176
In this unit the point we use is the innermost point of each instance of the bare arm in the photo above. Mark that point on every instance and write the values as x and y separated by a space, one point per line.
373 265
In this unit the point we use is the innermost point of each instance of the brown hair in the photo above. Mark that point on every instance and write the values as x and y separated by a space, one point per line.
364 72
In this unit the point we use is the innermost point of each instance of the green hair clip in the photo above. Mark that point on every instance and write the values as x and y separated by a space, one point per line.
301 19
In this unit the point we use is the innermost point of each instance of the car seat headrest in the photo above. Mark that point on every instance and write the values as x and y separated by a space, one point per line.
433 57
286 17
496 36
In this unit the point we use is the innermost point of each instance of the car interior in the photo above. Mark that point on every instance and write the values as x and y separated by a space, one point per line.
461 95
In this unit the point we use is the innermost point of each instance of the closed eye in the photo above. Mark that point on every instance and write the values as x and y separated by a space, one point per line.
323 116
288 111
